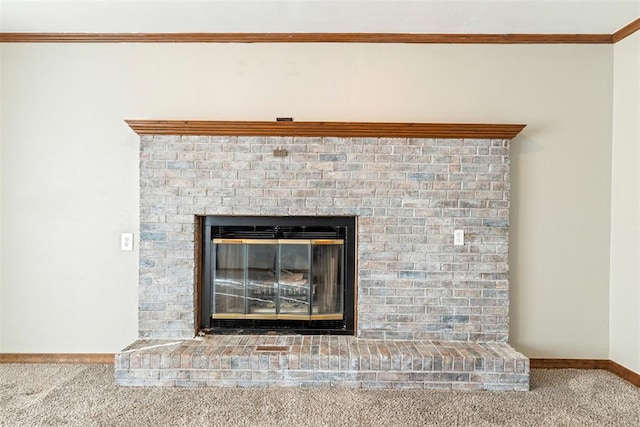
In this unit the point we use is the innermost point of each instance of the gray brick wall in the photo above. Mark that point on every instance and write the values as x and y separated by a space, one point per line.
409 196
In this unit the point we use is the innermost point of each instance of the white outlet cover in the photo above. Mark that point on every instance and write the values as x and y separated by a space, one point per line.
458 237
126 242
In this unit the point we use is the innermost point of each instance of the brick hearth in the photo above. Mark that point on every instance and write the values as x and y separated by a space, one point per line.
322 361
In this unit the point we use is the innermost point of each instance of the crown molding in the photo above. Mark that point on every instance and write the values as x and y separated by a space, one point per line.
626 31
407 38
326 129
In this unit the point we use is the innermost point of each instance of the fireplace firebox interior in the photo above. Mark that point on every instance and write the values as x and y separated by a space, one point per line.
278 274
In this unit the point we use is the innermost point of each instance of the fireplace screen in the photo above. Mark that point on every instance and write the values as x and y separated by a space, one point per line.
278 277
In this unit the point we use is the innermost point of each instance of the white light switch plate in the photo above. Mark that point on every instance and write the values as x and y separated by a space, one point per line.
458 237
126 242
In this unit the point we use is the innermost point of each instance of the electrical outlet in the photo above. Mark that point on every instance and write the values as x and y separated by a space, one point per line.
126 242
458 237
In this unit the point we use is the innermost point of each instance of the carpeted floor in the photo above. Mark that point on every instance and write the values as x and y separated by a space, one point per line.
85 395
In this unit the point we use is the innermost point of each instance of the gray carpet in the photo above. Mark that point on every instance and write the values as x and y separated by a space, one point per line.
85 395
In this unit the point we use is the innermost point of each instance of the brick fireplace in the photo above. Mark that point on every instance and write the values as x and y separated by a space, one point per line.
409 186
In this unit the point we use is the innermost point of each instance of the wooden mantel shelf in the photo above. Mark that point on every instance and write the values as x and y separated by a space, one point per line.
328 129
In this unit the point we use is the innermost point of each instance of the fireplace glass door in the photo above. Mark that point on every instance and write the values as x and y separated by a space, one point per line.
278 279
270 274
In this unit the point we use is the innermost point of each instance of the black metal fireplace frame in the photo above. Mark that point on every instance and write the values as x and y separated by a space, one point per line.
346 326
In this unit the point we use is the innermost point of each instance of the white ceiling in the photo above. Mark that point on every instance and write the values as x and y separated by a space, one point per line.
374 16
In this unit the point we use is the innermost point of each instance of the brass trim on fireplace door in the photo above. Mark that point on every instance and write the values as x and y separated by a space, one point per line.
261 241
327 242
227 316
229 241
279 241
247 241
294 317
294 241
260 316
331 316
236 316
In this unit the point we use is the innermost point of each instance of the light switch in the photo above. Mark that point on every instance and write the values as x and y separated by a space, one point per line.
126 242
458 237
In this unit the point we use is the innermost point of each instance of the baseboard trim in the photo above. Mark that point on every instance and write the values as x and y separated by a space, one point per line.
605 364
535 363
88 358
624 373
569 364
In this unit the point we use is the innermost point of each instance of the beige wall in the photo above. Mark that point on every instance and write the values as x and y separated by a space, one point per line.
625 206
70 165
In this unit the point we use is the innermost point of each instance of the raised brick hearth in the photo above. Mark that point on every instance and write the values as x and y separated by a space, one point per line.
429 314
322 361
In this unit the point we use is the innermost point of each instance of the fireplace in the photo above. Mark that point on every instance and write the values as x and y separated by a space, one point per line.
409 196
250 227
264 274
